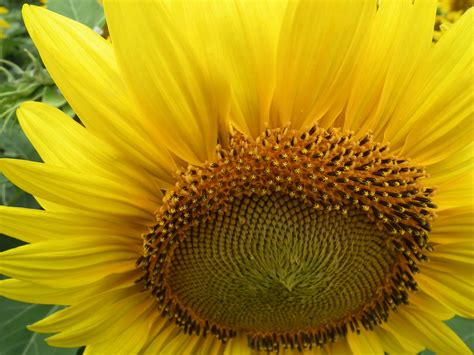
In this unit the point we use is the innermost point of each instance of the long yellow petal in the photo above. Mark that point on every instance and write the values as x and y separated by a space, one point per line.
62 186
341 346
69 263
400 35
32 226
83 66
131 340
454 293
392 345
428 304
462 252
165 333
453 225
61 141
459 162
316 57
107 317
31 292
438 102
457 192
237 345
177 87
246 41
410 324
365 343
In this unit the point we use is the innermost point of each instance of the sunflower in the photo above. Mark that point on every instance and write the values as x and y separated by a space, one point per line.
249 177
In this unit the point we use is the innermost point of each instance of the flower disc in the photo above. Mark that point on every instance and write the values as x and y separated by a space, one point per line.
291 239
274 264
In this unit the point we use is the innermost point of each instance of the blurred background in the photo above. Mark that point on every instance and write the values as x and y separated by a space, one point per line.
24 78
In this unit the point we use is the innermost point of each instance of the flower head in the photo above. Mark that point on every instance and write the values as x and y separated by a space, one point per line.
249 176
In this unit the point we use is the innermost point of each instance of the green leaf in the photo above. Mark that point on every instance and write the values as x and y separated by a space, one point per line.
464 328
67 109
16 339
53 97
14 143
89 12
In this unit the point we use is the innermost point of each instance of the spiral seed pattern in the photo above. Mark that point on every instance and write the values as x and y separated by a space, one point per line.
293 239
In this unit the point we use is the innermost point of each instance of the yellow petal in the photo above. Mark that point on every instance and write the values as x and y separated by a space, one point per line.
438 102
165 334
96 320
455 193
60 140
246 40
315 58
428 304
212 346
31 225
65 187
192 346
35 293
399 37
157 327
71 262
462 252
176 87
453 225
341 346
456 164
131 339
364 343
83 66
237 345
179 344
421 327
393 346
452 292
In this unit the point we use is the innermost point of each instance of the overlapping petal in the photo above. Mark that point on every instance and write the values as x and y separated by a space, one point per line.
69 263
84 67
65 187
96 319
399 38
316 58
32 226
180 93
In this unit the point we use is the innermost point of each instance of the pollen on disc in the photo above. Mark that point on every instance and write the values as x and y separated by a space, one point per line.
292 239
274 264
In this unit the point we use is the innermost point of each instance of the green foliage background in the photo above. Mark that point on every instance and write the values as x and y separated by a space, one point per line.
23 78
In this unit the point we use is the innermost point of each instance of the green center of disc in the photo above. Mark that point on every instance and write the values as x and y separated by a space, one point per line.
274 264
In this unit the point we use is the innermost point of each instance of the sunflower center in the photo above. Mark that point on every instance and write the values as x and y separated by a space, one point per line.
292 239
274 264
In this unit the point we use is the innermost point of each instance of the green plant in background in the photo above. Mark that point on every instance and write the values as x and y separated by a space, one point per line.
23 78
3 23
32 83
